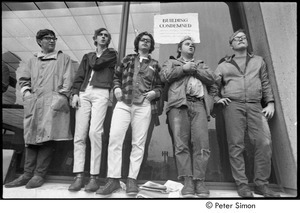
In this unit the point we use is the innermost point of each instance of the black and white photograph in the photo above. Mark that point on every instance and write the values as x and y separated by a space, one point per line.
186 104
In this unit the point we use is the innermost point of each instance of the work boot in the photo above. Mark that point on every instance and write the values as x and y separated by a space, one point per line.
265 191
78 183
188 189
20 181
131 186
200 189
244 190
111 186
92 186
35 182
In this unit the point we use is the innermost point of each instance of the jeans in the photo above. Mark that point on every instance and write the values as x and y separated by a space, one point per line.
239 118
189 126
139 116
89 120
38 159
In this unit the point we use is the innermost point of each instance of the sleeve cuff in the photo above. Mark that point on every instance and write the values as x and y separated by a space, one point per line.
157 93
23 89
269 100
115 87
216 99
74 91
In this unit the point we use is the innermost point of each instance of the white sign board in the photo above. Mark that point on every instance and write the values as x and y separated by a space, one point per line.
171 28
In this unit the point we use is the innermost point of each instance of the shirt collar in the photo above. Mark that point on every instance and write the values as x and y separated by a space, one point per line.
229 58
97 54
52 55
142 57
183 60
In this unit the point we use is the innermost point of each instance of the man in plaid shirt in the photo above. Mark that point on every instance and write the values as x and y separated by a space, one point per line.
137 87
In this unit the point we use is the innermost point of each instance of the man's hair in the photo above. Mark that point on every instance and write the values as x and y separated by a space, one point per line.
41 33
235 33
138 38
97 32
180 44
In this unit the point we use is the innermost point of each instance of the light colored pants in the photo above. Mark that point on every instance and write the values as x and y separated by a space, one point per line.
139 116
89 119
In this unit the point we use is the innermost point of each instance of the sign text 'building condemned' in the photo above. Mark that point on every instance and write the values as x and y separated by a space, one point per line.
171 28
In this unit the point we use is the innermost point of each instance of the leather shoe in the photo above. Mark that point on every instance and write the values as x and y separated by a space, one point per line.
77 184
92 186
111 186
200 189
244 190
35 181
188 189
131 186
265 191
20 181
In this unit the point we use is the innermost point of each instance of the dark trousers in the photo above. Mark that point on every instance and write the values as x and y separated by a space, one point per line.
239 118
38 159
189 126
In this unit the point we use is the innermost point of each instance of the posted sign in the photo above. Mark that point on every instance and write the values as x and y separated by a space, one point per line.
171 28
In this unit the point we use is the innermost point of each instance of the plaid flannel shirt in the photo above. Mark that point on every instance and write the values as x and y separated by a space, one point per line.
123 78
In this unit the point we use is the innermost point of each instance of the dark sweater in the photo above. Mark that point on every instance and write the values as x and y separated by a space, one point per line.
103 67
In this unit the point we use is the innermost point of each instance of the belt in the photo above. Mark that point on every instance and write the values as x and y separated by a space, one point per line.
193 98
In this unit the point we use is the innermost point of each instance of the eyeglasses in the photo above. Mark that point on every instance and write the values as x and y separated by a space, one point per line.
47 38
145 40
238 38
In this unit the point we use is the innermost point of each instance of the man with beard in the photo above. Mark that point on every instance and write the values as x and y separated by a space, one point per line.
243 83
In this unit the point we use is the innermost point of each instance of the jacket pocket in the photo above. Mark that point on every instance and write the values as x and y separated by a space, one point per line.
28 106
59 103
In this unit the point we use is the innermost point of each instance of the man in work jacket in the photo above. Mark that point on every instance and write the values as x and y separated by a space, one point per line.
137 86
243 82
45 85
90 97
191 89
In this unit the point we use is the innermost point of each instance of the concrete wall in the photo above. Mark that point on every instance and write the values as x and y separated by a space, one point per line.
280 24
272 28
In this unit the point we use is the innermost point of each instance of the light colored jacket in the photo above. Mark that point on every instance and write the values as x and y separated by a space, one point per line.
46 110
249 85
176 82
